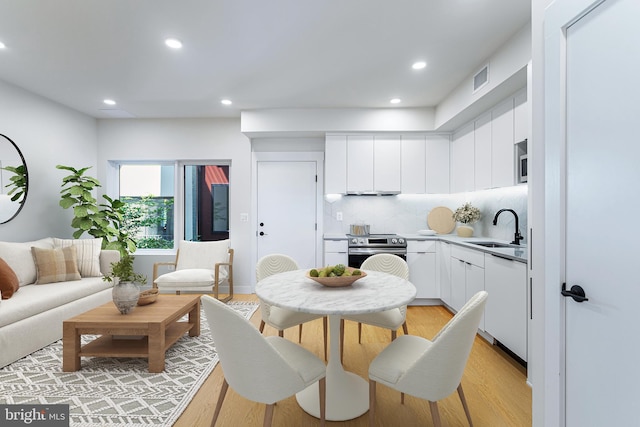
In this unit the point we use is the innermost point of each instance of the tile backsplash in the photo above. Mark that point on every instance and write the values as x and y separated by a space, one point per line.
407 213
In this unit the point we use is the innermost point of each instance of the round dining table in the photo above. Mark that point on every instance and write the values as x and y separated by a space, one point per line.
347 393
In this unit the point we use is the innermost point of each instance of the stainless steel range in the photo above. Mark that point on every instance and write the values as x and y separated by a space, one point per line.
362 247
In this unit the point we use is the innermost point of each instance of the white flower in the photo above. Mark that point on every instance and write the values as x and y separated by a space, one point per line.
467 214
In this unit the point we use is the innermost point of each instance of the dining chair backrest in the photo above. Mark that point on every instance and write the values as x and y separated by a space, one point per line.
272 264
251 366
438 372
387 263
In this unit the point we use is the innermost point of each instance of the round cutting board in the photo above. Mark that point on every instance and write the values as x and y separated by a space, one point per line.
441 220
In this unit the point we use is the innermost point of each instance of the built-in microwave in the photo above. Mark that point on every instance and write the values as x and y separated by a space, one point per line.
523 168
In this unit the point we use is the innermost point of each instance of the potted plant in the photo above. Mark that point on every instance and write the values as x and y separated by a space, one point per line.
125 291
466 215
99 220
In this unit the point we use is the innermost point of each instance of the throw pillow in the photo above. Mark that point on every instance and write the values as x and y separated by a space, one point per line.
55 265
19 258
8 280
87 252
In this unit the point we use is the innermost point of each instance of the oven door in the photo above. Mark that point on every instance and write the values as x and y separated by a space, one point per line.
358 255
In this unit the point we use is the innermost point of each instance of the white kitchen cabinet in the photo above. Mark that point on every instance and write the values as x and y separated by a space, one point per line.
463 160
335 162
359 163
467 276
336 252
482 146
443 272
437 164
521 112
421 258
414 165
506 308
387 164
502 145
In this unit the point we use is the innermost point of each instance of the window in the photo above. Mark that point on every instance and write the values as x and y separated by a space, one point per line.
147 191
150 206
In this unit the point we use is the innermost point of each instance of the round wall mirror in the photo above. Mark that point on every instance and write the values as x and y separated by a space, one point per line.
14 179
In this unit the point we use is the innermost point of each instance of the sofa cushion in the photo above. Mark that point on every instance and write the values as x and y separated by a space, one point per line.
55 265
32 300
87 253
8 280
19 258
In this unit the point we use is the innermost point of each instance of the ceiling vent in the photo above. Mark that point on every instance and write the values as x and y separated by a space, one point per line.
481 78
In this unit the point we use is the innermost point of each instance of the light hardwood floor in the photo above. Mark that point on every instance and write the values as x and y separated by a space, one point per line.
494 384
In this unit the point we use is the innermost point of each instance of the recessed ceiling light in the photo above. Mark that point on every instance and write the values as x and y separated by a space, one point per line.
226 102
2 45
396 101
173 43
109 102
419 65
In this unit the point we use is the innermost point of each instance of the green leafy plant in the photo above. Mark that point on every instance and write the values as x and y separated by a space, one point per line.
123 271
18 185
99 220
467 214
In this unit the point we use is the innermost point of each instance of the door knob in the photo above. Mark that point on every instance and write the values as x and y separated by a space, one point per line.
576 292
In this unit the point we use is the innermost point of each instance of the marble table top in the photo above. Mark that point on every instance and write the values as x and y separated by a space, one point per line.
375 292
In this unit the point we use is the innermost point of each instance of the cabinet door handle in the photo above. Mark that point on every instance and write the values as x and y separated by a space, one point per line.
502 257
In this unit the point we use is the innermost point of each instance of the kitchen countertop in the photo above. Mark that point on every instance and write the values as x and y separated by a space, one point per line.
517 254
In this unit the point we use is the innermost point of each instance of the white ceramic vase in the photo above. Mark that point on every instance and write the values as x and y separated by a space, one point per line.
125 296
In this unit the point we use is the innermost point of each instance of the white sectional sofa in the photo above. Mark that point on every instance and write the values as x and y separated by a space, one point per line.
32 317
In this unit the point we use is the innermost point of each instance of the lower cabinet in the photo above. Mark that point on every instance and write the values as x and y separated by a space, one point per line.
443 271
421 258
467 276
336 252
506 309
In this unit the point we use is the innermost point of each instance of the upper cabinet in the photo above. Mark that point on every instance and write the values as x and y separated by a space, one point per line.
483 152
361 164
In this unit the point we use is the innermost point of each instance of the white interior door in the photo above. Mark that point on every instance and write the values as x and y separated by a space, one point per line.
602 177
287 210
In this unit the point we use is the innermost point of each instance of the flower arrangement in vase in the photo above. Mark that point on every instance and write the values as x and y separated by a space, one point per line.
466 215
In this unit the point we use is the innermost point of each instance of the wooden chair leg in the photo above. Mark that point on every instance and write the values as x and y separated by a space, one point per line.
268 415
372 403
435 414
322 389
341 340
177 292
281 334
223 392
262 326
405 329
394 335
300 333
401 398
359 333
325 329
464 404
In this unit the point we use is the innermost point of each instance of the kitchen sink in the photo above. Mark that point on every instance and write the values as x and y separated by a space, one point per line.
494 244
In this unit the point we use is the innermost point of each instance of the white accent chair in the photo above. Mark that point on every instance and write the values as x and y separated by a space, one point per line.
199 267
280 318
389 319
430 370
261 369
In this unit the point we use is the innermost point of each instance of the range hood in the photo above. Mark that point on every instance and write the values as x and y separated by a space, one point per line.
372 193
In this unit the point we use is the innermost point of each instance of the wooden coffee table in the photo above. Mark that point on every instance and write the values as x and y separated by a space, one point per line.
148 331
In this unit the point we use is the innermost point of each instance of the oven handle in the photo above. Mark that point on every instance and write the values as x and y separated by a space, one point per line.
370 251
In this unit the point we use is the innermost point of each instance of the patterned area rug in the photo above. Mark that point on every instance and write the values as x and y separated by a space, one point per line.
116 392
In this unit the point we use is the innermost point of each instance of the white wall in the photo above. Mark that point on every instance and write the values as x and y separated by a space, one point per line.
188 139
48 134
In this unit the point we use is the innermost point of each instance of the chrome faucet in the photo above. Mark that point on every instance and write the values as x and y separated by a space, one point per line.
517 236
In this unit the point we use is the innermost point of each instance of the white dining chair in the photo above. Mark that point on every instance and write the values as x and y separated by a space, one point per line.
261 369
280 318
429 369
390 319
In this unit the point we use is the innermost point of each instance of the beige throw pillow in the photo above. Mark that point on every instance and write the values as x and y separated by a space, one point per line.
87 253
55 265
